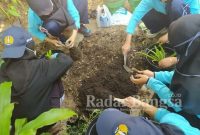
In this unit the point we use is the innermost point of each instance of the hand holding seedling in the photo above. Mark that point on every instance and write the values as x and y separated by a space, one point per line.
139 79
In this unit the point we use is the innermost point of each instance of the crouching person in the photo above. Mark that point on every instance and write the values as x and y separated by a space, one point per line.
36 82
183 93
114 122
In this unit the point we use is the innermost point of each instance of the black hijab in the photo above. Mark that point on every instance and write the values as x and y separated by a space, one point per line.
184 35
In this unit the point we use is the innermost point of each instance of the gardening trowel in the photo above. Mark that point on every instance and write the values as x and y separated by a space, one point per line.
127 68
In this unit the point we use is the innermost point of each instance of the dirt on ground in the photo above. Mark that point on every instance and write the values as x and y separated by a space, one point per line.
100 71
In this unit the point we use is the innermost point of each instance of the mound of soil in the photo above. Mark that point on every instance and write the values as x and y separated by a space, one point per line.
100 72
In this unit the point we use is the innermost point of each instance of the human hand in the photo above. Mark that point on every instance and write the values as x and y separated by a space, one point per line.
55 42
163 39
167 62
126 48
70 42
127 45
132 102
139 79
147 72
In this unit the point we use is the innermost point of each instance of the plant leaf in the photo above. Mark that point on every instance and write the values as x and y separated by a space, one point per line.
19 123
5 95
45 119
5 119
146 55
5 108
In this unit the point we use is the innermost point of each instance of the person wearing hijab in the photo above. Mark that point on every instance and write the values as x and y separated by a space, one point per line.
36 84
114 122
48 19
184 35
158 14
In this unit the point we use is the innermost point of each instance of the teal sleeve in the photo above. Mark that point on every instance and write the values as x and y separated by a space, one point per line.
164 76
164 116
34 22
164 93
160 114
194 6
144 7
73 12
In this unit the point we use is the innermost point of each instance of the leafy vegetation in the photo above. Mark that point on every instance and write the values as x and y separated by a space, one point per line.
155 54
48 54
1 62
8 8
22 126
81 126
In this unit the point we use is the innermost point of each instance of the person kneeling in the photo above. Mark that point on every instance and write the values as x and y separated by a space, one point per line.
114 122
36 84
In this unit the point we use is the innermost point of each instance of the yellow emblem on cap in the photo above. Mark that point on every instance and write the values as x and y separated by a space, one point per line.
8 40
122 129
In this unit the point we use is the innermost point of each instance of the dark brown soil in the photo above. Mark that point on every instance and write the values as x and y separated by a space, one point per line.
100 71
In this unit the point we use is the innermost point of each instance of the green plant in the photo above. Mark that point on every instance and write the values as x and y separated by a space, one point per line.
8 8
81 126
22 127
155 54
48 54
1 62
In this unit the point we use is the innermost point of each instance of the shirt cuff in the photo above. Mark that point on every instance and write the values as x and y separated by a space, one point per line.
129 31
160 114
150 83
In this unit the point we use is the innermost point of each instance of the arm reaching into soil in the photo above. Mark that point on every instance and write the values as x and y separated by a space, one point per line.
137 104
144 7
162 115
127 45
164 93
163 76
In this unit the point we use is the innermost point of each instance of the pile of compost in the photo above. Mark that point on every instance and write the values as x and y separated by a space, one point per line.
100 73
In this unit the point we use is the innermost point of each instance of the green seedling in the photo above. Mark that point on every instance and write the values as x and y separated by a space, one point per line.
156 54
48 54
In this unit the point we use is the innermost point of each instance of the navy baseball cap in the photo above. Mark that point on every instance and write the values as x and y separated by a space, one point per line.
15 39
114 122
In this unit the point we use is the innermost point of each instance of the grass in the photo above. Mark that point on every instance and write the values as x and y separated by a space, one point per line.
83 123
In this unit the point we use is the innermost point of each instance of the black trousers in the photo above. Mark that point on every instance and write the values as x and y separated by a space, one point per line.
155 20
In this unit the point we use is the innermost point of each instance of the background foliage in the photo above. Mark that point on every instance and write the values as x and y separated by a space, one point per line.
22 126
